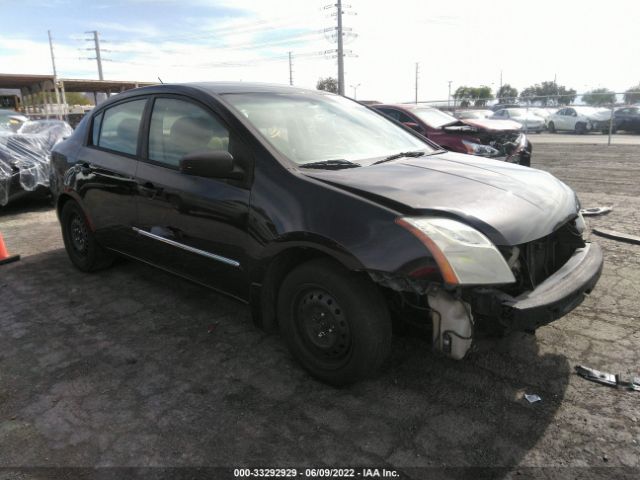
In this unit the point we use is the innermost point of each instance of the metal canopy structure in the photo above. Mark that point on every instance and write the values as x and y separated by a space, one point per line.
28 85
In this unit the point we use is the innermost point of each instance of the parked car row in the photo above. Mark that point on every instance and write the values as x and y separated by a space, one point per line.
578 119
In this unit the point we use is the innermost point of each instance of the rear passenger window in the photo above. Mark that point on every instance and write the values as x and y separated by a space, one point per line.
95 129
179 127
120 127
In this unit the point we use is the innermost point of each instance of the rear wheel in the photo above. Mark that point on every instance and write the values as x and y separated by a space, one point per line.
581 128
79 241
335 322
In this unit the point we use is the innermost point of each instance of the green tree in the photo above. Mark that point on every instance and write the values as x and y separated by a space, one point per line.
548 93
479 96
632 95
599 96
73 98
482 95
507 94
463 96
76 98
328 84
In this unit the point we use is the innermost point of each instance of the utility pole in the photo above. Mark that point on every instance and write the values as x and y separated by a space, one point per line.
55 77
96 41
340 50
449 96
417 70
290 70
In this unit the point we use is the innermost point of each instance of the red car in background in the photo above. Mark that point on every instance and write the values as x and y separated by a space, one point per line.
497 139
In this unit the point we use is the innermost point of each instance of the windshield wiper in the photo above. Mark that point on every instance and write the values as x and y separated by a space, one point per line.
417 153
331 164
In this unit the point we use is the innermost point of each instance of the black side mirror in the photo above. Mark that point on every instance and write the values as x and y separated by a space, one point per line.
414 126
210 164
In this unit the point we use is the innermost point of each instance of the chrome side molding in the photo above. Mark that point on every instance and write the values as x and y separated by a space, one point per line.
173 243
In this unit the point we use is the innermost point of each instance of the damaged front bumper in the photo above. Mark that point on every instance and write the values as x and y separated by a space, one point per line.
555 297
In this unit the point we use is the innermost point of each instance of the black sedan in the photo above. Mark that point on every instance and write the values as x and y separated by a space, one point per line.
325 216
627 119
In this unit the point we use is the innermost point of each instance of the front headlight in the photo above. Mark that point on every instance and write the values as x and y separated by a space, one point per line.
479 149
463 254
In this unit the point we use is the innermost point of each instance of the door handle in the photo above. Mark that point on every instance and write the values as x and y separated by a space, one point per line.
85 168
148 189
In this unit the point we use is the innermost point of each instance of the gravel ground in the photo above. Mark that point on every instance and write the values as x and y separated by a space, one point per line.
131 367
596 138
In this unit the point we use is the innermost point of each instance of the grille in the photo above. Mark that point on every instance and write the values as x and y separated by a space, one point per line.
541 258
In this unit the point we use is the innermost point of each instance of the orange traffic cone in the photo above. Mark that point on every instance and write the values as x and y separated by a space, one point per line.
4 254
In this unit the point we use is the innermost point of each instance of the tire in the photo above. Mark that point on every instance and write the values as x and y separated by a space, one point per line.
581 128
79 241
334 321
552 127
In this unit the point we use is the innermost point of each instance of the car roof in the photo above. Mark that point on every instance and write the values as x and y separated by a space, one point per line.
219 88
404 106
209 88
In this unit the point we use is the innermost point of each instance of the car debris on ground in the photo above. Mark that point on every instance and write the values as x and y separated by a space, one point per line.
532 398
591 212
608 379
622 237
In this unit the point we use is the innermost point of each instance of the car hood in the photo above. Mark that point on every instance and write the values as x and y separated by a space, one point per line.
509 203
491 125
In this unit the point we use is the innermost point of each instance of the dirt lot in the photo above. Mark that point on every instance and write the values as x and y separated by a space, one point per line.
133 367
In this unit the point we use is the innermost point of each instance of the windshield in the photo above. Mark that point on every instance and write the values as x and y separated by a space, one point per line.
434 118
314 128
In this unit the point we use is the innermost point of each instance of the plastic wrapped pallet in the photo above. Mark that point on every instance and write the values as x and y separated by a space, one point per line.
25 156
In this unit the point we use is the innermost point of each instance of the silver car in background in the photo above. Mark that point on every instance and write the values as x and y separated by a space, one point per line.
526 117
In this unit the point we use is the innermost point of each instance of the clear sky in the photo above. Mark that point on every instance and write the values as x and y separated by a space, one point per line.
585 44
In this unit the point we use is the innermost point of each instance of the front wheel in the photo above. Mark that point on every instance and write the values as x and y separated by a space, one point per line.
79 241
334 321
552 127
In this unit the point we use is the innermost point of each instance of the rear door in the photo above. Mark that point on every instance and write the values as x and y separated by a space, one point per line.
191 225
571 119
560 119
106 171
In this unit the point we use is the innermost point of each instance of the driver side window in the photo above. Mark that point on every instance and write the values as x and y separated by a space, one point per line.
180 127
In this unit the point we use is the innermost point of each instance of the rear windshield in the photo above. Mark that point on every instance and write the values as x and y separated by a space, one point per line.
434 118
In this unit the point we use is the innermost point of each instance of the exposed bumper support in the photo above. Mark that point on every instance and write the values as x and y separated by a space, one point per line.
555 297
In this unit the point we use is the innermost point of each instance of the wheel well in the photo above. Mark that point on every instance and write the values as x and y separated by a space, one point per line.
62 200
264 297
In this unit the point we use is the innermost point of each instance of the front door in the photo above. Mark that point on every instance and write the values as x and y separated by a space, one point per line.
191 225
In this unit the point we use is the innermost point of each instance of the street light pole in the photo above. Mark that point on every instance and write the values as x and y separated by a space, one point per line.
355 89
449 97
340 50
